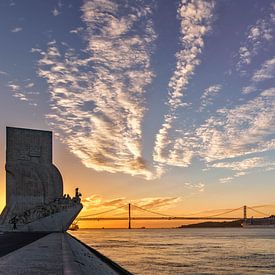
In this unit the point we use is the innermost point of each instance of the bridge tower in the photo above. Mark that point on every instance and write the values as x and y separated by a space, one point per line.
244 212
129 216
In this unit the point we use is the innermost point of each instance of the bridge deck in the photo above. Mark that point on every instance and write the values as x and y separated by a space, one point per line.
158 218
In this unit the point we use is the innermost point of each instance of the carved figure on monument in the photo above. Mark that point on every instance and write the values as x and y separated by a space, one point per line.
77 195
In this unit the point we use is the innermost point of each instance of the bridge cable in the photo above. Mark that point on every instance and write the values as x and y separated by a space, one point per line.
103 212
153 212
224 213
161 214
257 211
264 205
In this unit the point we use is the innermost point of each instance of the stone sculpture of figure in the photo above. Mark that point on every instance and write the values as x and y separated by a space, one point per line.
77 194
14 221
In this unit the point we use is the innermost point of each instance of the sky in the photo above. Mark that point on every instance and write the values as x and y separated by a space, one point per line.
169 105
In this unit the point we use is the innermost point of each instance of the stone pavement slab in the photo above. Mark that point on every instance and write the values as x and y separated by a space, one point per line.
56 253
13 241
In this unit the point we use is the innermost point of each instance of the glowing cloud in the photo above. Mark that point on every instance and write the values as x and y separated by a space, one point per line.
244 164
245 129
99 204
199 186
267 71
257 36
208 95
195 17
97 100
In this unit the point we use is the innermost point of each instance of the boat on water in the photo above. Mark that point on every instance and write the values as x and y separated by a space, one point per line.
267 222
74 226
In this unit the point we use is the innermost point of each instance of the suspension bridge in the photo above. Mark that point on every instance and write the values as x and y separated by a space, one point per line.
161 216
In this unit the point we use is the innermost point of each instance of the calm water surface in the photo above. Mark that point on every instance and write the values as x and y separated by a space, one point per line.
186 251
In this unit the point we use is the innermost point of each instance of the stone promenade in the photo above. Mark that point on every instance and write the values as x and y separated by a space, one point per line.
56 253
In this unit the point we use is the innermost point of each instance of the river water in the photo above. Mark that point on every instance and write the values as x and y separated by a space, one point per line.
186 251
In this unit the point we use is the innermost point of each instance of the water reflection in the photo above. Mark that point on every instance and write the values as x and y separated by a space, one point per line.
178 251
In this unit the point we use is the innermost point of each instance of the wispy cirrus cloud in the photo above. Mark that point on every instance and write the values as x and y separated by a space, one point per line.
257 36
98 99
268 92
226 179
55 12
97 203
97 95
3 73
157 203
267 71
195 19
199 186
244 167
245 129
246 164
76 30
17 29
209 94
16 91
235 176
22 91
230 133
249 89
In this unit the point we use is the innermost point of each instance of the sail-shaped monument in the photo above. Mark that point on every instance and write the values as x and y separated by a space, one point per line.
34 186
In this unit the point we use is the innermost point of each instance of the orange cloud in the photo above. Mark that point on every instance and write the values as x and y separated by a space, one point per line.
97 204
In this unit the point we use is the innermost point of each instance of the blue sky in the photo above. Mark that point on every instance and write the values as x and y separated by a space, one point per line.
153 99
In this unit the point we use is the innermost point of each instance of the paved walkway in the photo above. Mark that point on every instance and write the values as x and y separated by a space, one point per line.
13 241
55 253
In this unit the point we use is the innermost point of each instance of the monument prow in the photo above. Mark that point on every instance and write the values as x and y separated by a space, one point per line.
34 185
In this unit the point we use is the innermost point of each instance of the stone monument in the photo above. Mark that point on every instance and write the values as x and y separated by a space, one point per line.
34 186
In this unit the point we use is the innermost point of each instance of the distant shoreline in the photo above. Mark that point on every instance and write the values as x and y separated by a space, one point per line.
213 224
236 224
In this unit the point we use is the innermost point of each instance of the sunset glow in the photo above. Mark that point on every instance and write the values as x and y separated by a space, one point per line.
167 105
